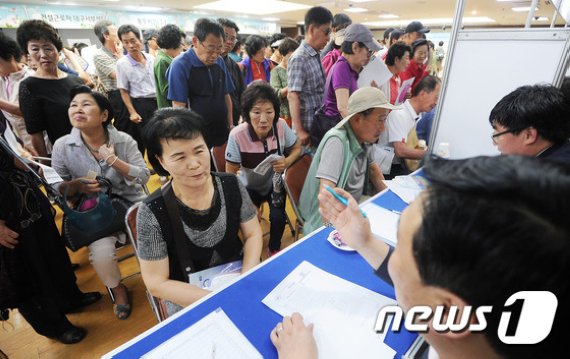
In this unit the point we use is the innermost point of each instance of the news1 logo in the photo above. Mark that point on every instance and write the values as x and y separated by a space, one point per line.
526 318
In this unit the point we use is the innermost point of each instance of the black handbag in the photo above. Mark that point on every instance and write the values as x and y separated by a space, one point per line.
79 229
321 122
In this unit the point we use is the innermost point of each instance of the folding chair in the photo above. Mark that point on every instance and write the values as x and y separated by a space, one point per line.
219 156
294 179
158 306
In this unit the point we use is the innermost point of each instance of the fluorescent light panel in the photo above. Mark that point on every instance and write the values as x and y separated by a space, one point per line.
435 21
355 9
388 16
522 9
252 7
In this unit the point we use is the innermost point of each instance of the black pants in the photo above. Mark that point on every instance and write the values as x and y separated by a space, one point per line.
45 316
145 107
120 110
397 169
277 218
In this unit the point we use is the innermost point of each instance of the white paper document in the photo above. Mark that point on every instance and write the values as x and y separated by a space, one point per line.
215 277
266 165
343 313
407 187
383 222
214 336
377 71
50 175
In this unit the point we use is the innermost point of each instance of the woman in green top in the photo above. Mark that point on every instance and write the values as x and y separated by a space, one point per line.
170 41
279 77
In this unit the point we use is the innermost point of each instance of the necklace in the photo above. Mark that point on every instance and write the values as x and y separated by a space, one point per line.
93 149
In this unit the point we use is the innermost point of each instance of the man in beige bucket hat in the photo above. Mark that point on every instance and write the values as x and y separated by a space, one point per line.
344 156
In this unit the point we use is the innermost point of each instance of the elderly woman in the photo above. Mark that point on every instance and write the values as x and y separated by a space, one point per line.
255 66
44 96
279 77
192 223
95 146
417 67
263 134
357 46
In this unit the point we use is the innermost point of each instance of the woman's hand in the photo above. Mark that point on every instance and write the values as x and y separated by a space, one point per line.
81 185
107 152
293 339
279 166
8 238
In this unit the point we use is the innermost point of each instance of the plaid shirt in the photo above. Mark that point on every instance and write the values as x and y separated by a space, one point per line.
106 65
305 75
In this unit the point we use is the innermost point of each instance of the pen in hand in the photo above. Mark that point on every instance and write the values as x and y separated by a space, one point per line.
341 199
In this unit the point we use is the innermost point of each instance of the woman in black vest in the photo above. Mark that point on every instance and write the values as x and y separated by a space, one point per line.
192 223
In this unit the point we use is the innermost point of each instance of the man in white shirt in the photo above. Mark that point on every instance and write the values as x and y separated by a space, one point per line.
400 123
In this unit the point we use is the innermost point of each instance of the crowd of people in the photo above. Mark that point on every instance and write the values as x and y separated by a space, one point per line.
158 95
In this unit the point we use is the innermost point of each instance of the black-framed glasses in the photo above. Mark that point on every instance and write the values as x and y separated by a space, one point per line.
233 39
494 136
210 49
327 32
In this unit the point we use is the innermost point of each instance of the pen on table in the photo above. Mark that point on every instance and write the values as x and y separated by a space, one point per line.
396 212
341 199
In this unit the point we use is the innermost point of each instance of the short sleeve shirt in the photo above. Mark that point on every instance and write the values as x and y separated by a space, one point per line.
247 150
305 75
204 89
136 78
398 126
342 77
105 66
330 167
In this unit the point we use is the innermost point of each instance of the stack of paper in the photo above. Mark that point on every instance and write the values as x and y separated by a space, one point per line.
343 313
214 336
383 222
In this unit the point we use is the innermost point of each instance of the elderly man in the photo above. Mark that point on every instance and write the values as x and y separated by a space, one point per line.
199 79
344 156
485 229
533 121
105 60
231 33
400 123
414 31
135 80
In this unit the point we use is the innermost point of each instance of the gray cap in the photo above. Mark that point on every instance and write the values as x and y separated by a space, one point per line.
358 33
366 98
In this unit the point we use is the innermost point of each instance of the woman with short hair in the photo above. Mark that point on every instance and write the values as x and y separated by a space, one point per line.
192 223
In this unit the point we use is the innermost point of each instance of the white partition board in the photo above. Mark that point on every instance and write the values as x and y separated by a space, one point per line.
486 66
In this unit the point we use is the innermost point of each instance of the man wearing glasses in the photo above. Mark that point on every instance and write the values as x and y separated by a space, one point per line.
533 121
199 79
305 74
231 32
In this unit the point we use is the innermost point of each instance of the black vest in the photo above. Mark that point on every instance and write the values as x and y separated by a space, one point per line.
229 248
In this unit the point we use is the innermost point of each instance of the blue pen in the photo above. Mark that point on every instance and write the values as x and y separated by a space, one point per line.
341 199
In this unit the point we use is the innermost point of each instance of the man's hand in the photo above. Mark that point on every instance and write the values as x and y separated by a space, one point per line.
8 238
136 118
348 221
293 339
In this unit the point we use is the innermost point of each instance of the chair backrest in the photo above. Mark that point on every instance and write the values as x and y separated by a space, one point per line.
219 155
158 306
294 179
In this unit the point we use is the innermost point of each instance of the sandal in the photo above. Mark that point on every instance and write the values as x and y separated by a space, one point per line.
122 311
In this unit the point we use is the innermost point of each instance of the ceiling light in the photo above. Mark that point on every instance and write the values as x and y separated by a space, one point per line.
523 9
360 1
434 21
252 6
355 9
388 16
270 19
145 8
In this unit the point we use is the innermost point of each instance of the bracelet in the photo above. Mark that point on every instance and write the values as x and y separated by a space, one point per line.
112 163
106 158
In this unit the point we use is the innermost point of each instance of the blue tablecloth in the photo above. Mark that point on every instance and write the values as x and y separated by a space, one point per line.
242 300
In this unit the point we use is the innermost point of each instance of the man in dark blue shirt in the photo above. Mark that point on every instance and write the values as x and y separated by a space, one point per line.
199 79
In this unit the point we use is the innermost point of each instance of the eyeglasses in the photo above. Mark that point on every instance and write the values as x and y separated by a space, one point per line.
494 136
231 38
212 49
